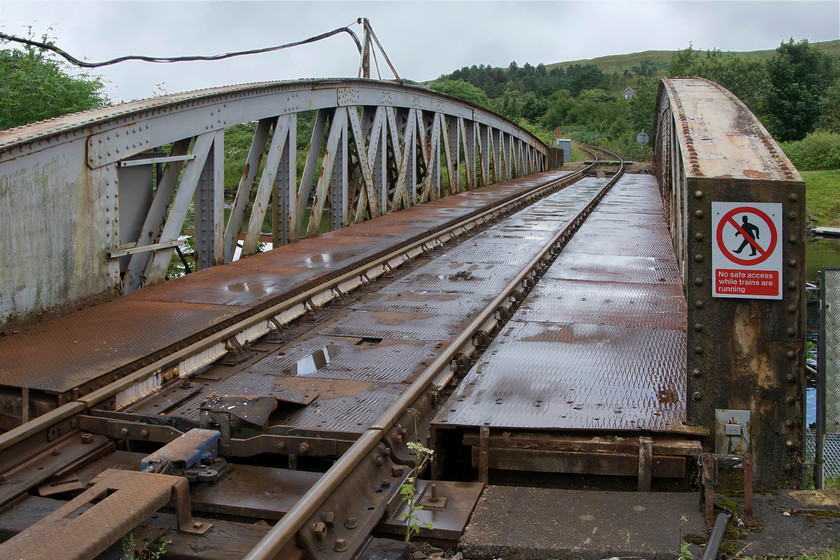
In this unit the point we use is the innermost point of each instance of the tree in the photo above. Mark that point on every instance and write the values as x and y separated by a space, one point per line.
462 90
800 76
35 87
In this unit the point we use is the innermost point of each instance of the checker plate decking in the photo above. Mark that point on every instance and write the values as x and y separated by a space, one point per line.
600 343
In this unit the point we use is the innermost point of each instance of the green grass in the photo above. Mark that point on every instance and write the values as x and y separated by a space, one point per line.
822 195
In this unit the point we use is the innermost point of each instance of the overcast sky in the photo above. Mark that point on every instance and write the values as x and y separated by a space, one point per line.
423 39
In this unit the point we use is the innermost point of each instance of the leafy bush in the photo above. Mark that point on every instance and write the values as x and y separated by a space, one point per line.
818 150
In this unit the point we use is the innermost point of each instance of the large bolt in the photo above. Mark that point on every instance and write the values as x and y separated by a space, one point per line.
397 470
340 545
350 522
303 448
378 460
319 530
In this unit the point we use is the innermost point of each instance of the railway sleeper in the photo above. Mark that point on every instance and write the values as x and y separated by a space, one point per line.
645 457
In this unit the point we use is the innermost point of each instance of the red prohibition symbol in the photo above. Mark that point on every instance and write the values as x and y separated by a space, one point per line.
763 254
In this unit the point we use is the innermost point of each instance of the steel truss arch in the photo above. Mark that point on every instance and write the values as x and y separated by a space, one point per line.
119 188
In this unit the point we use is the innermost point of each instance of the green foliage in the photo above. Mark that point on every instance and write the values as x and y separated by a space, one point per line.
800 76
463 90
150 551
408 490
818 150
36 87
821 197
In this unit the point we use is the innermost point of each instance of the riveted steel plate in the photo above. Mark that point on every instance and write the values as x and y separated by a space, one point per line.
574 377
615 268
397 325
653 306
360 359
70 351
640 243
464 277
341 405
402 298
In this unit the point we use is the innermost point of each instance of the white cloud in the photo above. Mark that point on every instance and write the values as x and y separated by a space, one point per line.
423 39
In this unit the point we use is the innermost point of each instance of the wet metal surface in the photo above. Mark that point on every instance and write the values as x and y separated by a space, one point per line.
599 344
68 352
352 367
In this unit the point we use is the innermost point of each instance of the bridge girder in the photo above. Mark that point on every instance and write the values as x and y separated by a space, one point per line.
97 203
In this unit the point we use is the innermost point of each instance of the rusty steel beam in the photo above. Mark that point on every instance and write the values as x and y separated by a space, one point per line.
743 353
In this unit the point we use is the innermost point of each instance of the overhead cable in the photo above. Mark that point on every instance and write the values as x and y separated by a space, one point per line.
83 64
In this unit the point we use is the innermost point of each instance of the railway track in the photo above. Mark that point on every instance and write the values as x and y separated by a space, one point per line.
297 414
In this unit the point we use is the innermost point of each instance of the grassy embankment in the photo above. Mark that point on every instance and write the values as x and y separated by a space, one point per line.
822 196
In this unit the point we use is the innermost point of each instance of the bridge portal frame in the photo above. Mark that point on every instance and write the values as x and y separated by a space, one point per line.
95 204
742 354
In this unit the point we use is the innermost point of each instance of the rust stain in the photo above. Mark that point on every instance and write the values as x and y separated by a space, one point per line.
753 174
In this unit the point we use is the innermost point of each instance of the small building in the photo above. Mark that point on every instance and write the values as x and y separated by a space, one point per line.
565 144
628 93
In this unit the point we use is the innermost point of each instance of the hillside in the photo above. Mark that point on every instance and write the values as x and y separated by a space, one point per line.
621 62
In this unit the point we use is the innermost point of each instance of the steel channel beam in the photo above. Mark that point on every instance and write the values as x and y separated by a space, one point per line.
285 529
78 406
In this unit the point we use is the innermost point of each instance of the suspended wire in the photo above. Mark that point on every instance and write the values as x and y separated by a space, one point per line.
84 64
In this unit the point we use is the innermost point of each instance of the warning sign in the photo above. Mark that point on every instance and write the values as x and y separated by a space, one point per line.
747 250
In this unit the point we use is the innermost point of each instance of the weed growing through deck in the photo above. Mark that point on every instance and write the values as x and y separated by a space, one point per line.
151 551
408 491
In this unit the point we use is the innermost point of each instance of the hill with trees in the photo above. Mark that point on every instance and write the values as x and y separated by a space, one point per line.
794 90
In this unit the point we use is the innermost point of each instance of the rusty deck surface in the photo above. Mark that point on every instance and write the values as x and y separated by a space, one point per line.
348 370
110 339
600 342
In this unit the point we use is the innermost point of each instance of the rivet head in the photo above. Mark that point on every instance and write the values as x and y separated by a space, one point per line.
696 372
792 285
698 258
791 354
793 240
698 304
791 399
791 378
698 327
789 443
698 349
793 197
791 331
698 396
698 281
789 423
698 194
699 213
699 236
791 215
793 263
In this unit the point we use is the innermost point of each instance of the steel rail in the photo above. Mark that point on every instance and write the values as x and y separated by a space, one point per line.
66 411
284 530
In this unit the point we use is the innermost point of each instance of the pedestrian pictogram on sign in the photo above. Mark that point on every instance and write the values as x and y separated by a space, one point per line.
746 254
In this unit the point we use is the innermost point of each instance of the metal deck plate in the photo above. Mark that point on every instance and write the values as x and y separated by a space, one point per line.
72 350
575 377
599 344
615 268
80 348
353 359
651 306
